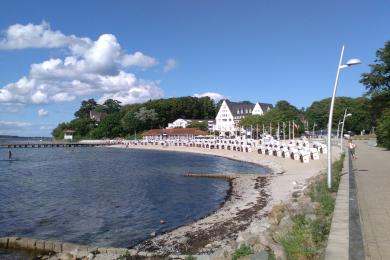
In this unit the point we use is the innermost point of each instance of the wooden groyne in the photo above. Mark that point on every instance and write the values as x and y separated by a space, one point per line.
228 176
51 145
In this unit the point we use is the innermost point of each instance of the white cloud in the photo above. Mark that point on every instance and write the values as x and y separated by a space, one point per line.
93 67
62 97
5 124
213 95
39 97
42 112
20 36
138 59
170 64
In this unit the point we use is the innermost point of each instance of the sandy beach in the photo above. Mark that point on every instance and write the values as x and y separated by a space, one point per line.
250 199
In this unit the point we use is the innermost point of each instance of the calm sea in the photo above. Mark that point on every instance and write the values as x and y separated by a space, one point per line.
107 196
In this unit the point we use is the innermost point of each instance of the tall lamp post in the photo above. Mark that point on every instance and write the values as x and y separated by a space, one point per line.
342 129
351 62
338 130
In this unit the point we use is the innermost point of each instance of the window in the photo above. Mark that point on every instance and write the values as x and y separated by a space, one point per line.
246 111
238 111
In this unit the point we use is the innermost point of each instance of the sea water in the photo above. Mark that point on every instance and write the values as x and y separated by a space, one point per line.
107 196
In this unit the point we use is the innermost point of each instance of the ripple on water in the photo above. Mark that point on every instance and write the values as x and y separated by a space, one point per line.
106 196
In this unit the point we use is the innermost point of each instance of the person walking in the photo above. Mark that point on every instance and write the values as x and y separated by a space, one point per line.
352 149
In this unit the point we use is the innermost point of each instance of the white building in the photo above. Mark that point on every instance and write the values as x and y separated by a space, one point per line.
230 114
68 134
184 123
179 123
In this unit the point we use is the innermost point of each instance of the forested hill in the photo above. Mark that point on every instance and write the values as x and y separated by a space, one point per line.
124 121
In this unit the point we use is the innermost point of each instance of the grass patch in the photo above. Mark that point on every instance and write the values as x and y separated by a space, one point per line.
364 137
190 257
307 237
243 250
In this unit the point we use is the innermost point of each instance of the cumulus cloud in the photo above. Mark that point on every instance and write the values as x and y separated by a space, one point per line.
20 36
170 64
42 112
138 59
93 67
213 95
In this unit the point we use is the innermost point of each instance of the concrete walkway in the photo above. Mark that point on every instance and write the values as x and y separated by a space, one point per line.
338 240
372 173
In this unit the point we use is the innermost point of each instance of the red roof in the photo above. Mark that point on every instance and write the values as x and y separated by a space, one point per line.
175 131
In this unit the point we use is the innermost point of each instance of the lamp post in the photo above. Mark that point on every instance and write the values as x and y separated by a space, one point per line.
338 130
342 129
341 66
314 126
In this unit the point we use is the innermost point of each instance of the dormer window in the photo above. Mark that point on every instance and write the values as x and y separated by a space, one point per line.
242 111
238 111
246 111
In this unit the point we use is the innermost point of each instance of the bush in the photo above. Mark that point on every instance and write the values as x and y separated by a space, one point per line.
299 242
383 130
307 237
243 250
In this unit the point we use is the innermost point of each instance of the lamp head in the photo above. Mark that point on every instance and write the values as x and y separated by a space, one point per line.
352 62
348 115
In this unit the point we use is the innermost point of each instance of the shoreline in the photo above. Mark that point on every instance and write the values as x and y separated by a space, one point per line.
244 218
250 201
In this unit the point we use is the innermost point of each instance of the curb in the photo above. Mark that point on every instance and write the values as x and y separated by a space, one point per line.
338 240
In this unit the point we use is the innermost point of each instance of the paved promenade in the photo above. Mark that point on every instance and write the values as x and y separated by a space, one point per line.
372 173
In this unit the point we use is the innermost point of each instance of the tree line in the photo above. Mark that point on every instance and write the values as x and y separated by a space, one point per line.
129 120
369 112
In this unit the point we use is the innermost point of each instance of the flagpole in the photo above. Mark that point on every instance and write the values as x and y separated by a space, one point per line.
278 131
289 130
293 126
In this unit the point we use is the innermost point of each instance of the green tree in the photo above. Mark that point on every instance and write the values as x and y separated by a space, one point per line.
378 79
85 108
383 129
58 132
318 113
146 116
110 127
199 125
112 106
130 124
282 112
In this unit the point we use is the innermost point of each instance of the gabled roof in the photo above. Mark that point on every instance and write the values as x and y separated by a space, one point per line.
234 106
245 106
175 131
265 106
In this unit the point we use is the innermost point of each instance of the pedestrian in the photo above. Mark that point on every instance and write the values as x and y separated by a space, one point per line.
352 149
9 155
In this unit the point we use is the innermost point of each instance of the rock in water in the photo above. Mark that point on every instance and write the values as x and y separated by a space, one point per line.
162 221
153 234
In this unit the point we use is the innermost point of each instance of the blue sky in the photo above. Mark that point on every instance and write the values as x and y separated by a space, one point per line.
135 50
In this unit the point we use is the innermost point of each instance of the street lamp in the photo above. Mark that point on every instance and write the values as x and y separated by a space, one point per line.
342 130
338 130
351 62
